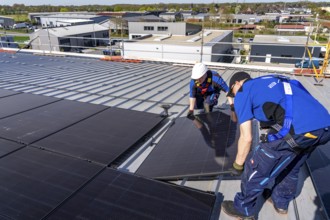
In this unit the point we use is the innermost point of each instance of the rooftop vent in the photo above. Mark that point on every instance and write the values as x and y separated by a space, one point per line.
207 33
163 38
194 39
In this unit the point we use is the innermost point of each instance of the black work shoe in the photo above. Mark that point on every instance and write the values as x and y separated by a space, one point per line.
229 209
278 210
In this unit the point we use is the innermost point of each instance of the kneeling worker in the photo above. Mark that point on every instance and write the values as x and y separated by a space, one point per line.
205 87
297 123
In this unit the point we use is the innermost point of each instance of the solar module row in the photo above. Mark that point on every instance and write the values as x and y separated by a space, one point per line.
46 147
205 146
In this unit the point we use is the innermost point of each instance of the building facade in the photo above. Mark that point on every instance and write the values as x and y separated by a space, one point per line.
209 46
281 49
70 38
6 22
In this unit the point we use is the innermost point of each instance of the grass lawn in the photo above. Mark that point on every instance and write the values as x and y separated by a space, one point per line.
19 18
21 38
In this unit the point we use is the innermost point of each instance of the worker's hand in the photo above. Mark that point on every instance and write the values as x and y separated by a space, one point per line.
190 115
237 169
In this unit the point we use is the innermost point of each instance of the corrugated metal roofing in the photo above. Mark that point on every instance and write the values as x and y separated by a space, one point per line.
143 87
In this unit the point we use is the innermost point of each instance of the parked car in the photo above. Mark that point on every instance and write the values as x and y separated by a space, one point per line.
239 40
308 64
20 25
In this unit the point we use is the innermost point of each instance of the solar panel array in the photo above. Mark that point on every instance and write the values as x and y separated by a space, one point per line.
54 158
205 146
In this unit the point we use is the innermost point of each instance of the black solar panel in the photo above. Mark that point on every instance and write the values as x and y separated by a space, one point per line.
22 102
115 195
34 182
5 93
35 124
8 146
191 148
103 137
319 165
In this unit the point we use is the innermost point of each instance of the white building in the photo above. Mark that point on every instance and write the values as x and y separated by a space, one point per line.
59 20
70 38
207 47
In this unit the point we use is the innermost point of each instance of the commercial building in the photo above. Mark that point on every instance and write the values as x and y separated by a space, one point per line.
60 20
69 38
281 49
177 41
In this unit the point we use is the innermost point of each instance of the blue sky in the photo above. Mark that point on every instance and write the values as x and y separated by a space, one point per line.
112 2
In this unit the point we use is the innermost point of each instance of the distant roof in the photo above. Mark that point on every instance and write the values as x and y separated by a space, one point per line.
143 18
122 13
249 26
6 17
210 36
280 39
78 29
170 13
290 26
83 16
74 20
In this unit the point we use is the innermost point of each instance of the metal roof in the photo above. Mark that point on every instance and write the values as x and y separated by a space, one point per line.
74 30
144 87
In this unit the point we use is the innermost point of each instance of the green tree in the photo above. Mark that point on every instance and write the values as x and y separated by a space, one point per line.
118 8
64 10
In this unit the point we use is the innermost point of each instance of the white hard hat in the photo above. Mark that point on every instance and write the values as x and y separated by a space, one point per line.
198 70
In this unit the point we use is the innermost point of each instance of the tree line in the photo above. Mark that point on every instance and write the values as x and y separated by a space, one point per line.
213 8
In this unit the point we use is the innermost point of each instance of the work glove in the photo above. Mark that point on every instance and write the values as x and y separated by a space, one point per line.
232 108
237 169
190 115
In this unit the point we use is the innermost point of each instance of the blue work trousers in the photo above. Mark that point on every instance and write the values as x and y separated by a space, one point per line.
267 161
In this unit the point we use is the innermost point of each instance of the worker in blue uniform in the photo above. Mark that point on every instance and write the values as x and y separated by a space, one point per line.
296 122
205 86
